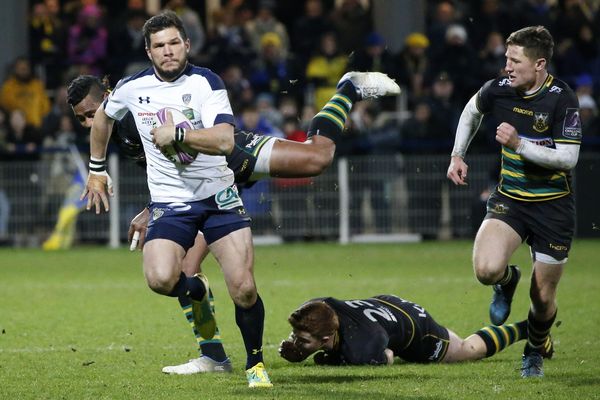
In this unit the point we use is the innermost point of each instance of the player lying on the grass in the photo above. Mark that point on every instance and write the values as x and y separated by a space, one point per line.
253 157
375 330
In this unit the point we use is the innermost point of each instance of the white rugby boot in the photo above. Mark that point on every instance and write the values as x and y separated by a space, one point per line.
370 85
199 365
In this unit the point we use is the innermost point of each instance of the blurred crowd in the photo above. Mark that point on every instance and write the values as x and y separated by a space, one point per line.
280 72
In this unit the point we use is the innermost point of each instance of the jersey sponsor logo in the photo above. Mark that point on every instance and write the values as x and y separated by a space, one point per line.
143 100
557 247
438 347
522 111
540 121
186 98
244 165
572 124
555 89
189 113
157 213
504 82
255 140
228 198
547 142
499 208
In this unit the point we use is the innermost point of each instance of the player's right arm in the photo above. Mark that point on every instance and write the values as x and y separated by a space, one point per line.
98 185
468 124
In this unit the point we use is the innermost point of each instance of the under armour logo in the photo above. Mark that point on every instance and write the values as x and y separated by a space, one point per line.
144 99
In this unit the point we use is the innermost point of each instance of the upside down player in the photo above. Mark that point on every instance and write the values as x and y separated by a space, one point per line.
253 157
375 330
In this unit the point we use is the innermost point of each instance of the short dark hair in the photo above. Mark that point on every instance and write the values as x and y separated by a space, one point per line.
316 318
536 41
83 85
162 21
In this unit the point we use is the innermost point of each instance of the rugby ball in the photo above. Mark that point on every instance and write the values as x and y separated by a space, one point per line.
177 152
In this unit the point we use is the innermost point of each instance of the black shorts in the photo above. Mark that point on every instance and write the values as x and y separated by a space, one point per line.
430 340
547 226
244 155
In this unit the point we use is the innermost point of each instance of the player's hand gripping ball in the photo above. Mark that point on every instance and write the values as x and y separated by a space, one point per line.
179 153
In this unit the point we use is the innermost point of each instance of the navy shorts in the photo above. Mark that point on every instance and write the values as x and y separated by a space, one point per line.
215 217
547 226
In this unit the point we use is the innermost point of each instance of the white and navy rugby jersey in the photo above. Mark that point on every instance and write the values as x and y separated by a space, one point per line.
200 94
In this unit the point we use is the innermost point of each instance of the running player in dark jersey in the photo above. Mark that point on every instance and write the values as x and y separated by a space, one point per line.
254 157
375 330
540 132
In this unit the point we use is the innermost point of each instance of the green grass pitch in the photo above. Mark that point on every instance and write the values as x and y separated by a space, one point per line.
82 324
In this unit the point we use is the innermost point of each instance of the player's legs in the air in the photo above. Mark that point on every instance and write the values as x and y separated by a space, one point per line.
289 159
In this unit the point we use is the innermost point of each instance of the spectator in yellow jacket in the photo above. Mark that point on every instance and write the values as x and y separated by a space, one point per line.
22 91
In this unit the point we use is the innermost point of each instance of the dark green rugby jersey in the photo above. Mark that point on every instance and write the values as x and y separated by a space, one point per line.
549 115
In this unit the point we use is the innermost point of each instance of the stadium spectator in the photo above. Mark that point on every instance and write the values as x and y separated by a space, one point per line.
87 42
490 16
578 55
273 70
412 64
25 92
228 42
445 111
23 140
47 39
324 70
307 31
444 15
458 59
352 22
534 12
374 331
252 121
126 46
239 88
540 146
491 57
266 22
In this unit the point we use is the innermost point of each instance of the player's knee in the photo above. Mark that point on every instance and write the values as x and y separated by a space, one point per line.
487 271
244 294
322 157
544 301
161 283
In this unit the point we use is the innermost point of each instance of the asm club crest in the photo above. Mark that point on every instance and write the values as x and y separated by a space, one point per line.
540 121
